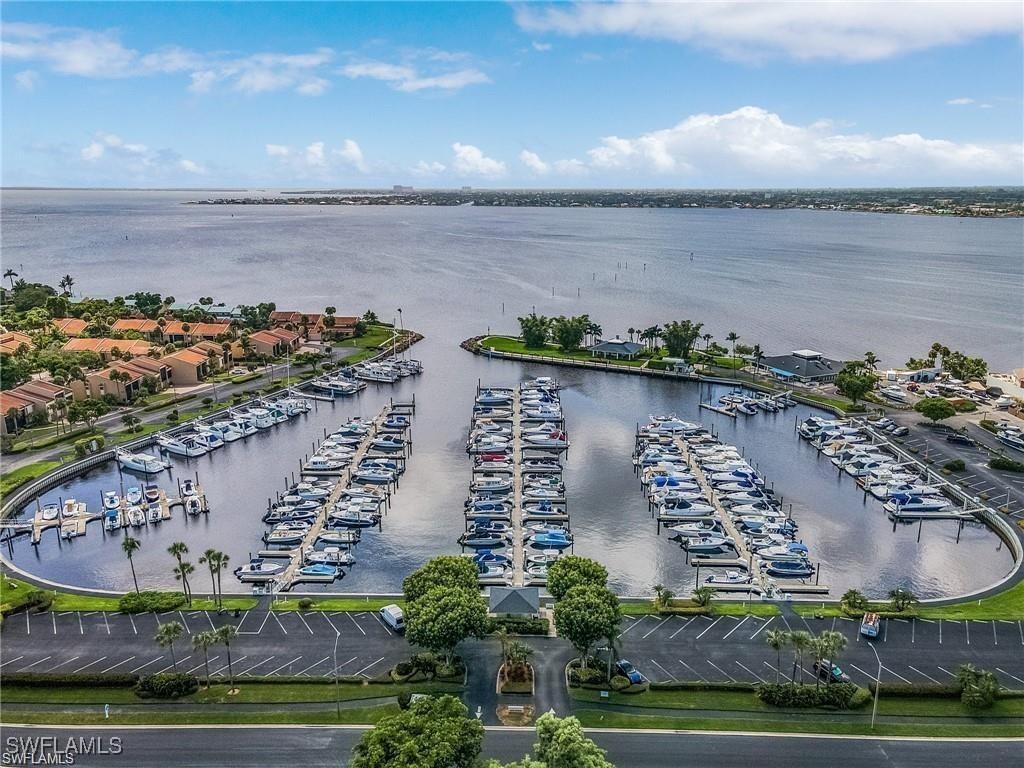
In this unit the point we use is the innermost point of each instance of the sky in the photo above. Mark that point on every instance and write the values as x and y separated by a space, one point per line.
512 95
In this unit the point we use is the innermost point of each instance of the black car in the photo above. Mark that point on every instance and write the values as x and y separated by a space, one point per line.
960 439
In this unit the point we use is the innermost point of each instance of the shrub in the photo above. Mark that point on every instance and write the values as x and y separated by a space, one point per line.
169 685
40 680
404 668
425 662
305 603
404 699
965 406
913 690
586 676
207 401
1001 462
35 600
516 625
619 683
150 601
791 695
956 465
700 685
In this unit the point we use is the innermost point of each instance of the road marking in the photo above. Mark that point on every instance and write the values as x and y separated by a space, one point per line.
1004 672
328 620
250 669
304 622
752 672
54 617
770 620
635 622
278 622
967 626
286 664
913 630
239 627
201 665
304 671
357 623
184 623
81 629
363 670
153 661
86 666
335 670
655 629
868 676
708 628
28 623
698 674
381 622
901 677
731 678
105 622
922 674
132 620
685 625
73 658
1020 628
885 629
212 625
940 631
266 618
232 665
735 628
172 665
116 665
786 622
943 669
34 663
663 670
11 661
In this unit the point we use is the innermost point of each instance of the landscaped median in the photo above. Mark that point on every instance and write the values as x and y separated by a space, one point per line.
1006 606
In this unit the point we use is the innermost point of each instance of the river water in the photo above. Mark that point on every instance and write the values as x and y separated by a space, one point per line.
840 283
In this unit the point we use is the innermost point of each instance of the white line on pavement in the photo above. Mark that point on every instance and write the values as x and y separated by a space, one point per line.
943 669
233 662
152 661
1004 672
635 623
381 622
363 670
344 664
54 617
239 627
655 628
304 622
750 671
184 623
328 620
212 625
86 666
731 678
286 664
105 622
685 625
201 664
663 670
735 628
81 629
698 674
868 675
250 669
708 628
279 622
112 666
922 674
172 664
34 663
304 671
901 677
356 623
132 620
28 623
770 620
11 661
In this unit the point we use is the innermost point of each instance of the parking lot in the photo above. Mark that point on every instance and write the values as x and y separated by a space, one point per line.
734 649
269 643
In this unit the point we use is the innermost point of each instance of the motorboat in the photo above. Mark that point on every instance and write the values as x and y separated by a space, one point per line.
1011 437
491 412
375 476
488 444
670 425
225 430
151 493
793 569
894 393
794 550
261 418
319 570
259 569
534 466
50 511
133 495
285 535
242 425
311 492
906 490
487 556
111 501
207 438
350 519
293 406
186 447
696 530
329 556
555 439
542 493
689 500
546 557
336 538
746 408
154 514
388 444
543 413
375 372
863 466
729 577
813 426
287 514
917 504
708 543
112 519
482 540
552 481
543 509
193 506
136 516
493 397
320 464
736 475
491 482
140 462
352 428
736 485
551 540
536 574
188 487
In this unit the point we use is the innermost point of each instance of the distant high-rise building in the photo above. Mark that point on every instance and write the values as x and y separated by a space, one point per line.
401 189
467 189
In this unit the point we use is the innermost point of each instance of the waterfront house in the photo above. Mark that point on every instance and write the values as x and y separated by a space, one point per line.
314 326
70 326
617 348
677 364
801 365
13 341
148 329
16 412
274 342
187 366
177 332
124 387
223 312
105 348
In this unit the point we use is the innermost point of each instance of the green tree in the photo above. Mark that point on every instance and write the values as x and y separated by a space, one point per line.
855 380
901 599
871 360
443 617
442 571
431 733
777 639
585 614
571 571
225 635
181 573
662 597
979 688
800 642
935 408
568 332
561 743
10 274
680 336
204 641
129 546
963 367
703 595
534 330
853 601
131 422
165 637
178 550
215 561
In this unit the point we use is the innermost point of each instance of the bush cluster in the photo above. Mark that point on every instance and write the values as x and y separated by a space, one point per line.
699 685
516 625
150 601
956 465
913 690
791 695
619 683
586 676
169 685
40 680
305 603
34 600
1001 462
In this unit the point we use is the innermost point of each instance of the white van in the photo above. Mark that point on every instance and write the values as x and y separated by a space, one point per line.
393 617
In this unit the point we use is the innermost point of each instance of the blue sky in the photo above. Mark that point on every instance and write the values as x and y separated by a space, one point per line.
506 95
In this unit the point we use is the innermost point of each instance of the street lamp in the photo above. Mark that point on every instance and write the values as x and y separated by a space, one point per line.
337 685
878 684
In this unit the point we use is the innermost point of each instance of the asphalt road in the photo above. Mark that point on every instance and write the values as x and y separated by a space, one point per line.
326 746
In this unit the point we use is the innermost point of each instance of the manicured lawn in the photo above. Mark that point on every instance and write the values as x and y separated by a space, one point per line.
594 718
11 480
723 608
339 604
66 601
509 344
140 431
46 437
1008 606
168 716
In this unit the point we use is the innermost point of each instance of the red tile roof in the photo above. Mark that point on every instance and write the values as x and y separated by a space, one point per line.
70 326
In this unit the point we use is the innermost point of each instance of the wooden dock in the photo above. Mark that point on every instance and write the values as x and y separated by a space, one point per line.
291 574
724 410
518 546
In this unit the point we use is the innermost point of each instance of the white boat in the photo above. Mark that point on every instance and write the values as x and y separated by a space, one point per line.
321 464
50 511
184 447
151 493
140 462
708 544
188 487
729 577
111 500
259 569
136 516
227 431
917 504
133 495
491 482
207 438
894 393
153 514
555 439
193 506
1002 403
1011 437
329 556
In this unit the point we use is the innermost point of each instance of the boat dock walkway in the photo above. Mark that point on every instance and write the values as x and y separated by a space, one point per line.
518 546
291 573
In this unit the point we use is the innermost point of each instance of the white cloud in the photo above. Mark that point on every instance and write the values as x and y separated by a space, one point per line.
100 54
27 79
133 162
278 150
471 161
756 146
570 167
406 77
533 162
353 155
93 151
314 155
851 31
423 168
962 101
542 47
191 166
317 160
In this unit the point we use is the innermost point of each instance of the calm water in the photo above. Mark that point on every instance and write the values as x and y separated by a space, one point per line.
841 283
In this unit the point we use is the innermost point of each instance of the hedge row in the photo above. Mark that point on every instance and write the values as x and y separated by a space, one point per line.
833 695
167 685
696 685
905 690
34 600
43 680
518 626
150 602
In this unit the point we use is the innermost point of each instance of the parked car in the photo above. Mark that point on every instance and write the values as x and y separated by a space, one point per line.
631 673
901 432
237 371
829 672
961 439
394 617
882 423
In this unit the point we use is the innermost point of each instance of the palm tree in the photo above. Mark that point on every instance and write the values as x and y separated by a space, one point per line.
614 646
10 274
203 641
166 636
831 644
631 330
65 284
800 641
870 360
181 573
129 546
209 558
707 341
757 353
702 596
225 635
733 337
777 640
178 550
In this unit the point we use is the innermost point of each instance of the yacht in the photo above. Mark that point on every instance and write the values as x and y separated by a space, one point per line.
136 517
329 556
208 438
388 444
133 495
151 493
729 577
50 511
376 476
794 550
552 540
259 569
140 462
228 431
112 519
917 504
375 372
493 397
708 544
1011 437
555 439
904 490
793 569
491 482
111 501
184 447
894 393
310 492
319 464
